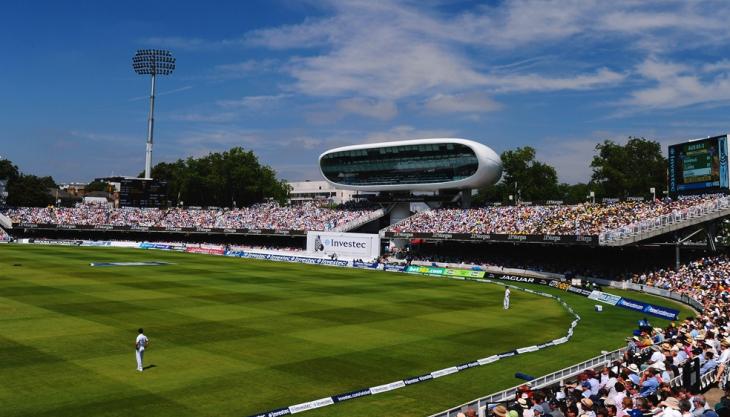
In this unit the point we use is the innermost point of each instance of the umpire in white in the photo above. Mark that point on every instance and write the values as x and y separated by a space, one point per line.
139 345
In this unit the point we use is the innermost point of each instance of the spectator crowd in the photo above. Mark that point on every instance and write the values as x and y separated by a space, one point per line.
639 385
579 219
707 280
309 216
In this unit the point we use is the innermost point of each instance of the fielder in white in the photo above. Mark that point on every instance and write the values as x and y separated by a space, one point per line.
506 298
139 345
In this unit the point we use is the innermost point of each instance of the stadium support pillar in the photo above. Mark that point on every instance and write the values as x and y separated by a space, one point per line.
710 233
399 212
677 259
466 198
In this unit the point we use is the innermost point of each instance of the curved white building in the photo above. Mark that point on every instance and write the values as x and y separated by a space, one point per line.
412 165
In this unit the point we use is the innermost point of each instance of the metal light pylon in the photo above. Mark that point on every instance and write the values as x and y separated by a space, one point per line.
152 62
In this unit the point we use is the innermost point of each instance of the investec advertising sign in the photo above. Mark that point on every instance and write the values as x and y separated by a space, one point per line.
351 245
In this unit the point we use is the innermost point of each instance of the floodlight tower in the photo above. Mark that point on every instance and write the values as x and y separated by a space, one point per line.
152 62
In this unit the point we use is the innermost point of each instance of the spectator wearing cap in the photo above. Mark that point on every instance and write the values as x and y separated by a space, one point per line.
521 405
661 372
538 411
658 355
633 374
680 354
499 411
671 407
586 407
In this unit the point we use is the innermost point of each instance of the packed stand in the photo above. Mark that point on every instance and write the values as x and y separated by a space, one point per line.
579 219
639 384
308 216
707 280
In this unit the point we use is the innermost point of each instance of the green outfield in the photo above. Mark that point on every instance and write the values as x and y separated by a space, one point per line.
232 337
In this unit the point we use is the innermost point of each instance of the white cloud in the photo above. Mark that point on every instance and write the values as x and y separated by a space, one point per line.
475 102
190 44
310 33
252 102
390 50
220 117
163 93
723 65
377 109
570 157
678 85
242 69
404 132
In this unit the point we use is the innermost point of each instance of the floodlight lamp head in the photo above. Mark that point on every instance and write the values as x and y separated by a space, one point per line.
153 62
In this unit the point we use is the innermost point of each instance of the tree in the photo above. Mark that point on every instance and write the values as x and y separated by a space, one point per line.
8 171
221 179
629 170
574 193
524 178
97 186
30 191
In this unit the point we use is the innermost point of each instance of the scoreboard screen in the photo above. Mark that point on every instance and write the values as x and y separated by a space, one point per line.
136 192
698 166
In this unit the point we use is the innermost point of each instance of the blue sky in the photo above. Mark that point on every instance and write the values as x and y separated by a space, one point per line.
290 79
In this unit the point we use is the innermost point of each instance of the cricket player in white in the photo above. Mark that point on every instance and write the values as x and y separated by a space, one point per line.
506 298
140 344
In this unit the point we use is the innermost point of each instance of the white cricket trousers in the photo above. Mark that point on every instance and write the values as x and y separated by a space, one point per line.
140 356
506 303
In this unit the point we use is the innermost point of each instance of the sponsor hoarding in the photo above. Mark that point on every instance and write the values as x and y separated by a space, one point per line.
490 237
351 245
207 251
604 297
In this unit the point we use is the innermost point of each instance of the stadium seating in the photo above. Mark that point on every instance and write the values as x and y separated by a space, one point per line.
580 219
658 357
308 216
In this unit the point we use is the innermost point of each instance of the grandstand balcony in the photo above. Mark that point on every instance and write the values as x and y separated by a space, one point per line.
668 223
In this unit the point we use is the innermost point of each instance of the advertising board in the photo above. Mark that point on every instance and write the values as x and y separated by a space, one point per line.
491 237
350 245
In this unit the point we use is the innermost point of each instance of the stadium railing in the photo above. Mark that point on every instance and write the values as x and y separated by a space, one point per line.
360 221
541 382
705 380
5 222
651 227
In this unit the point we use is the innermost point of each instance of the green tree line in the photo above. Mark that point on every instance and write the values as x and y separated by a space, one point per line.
221 179
618 171
25 189
237 177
